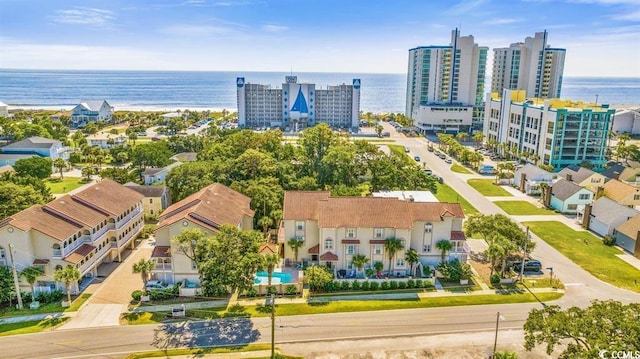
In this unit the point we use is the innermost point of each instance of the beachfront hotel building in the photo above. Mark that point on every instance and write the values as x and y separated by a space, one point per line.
445 85
559 132
84 230
297 105
532 66
334 229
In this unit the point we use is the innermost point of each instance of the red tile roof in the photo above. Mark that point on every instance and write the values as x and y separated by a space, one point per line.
315 249
267 249
161 252
44 222
458 236
350 241
302 205
109 196
76 256
329 257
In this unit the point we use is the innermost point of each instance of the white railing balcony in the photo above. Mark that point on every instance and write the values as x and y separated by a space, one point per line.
57 253
102 231
87 265
128 217
163 267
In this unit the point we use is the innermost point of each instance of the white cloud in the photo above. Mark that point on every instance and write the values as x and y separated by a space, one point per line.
465 6
629 16
199 30
84 16
501 21
274 28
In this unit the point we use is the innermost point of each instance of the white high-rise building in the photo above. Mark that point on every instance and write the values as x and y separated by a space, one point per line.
445 85
532 66
298 105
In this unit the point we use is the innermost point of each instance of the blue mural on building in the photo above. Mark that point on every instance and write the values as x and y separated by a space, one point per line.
301 104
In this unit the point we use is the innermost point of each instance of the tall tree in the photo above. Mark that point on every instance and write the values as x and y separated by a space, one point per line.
392 245
444 246
585 332
31 274
7 286
187 245
412 258
265 222
230 260
269 263
295 245
67 275
34 166
15 198
359 261
144 268
60 164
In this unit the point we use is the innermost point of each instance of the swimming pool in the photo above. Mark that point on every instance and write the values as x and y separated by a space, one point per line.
276 278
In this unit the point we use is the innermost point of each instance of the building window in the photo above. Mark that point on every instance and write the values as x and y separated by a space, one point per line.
378 232
150 200
636 197
572 207
426 248
400 262
328 243
595 180
585 196
351 249
377 249
194 265
428 228
403 242
299 225
351 233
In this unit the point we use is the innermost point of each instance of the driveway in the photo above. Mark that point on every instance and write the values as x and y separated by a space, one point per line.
111 296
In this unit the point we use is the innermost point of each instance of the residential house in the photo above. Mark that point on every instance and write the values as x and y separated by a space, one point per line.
171 115
86 229
622 193
185 157
622 173
156 198
106 140
90 111
33 146
583 177
156 175
566 196
206 210
604 215
627 236
334 229
528 179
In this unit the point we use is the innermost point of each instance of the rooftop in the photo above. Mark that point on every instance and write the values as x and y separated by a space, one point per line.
34 142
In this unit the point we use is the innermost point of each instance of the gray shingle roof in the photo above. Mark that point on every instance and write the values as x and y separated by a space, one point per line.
606 210
147 191
34 142
533 172
577 174
564 189
93 105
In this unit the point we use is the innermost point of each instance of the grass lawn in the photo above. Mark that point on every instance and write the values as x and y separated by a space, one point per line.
348 306
77 303
522 208
447 194
65 185
45 309
201 352
460 169
587 251
31 327
487 187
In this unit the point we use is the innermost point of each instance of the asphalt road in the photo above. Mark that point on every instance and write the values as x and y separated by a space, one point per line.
117 342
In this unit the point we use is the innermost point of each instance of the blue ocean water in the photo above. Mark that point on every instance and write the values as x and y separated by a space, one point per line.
164 90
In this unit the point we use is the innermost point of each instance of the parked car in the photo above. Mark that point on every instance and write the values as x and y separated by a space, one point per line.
155 138
448 160
156 284
430 149
406 149
529 266
428 171
417 158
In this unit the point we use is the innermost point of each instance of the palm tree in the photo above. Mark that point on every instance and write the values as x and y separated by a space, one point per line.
60 164
411 257
359 261
31 275
478 137
265 222
295 244
87 171
392 245
144 267
462 136
444 246
269 263
67 275
378 266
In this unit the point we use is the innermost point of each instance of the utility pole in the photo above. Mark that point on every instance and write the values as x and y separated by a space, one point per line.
272 302
524 254
15 277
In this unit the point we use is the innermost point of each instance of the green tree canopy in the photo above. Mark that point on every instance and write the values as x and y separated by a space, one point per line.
317 277
152 154
39 167
585 332
15 198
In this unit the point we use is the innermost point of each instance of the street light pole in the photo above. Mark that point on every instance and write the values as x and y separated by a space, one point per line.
495 340
272 301
550 269
524 254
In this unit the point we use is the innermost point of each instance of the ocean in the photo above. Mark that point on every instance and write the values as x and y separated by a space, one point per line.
170 90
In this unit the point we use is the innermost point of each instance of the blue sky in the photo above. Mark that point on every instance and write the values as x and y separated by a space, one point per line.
602 37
